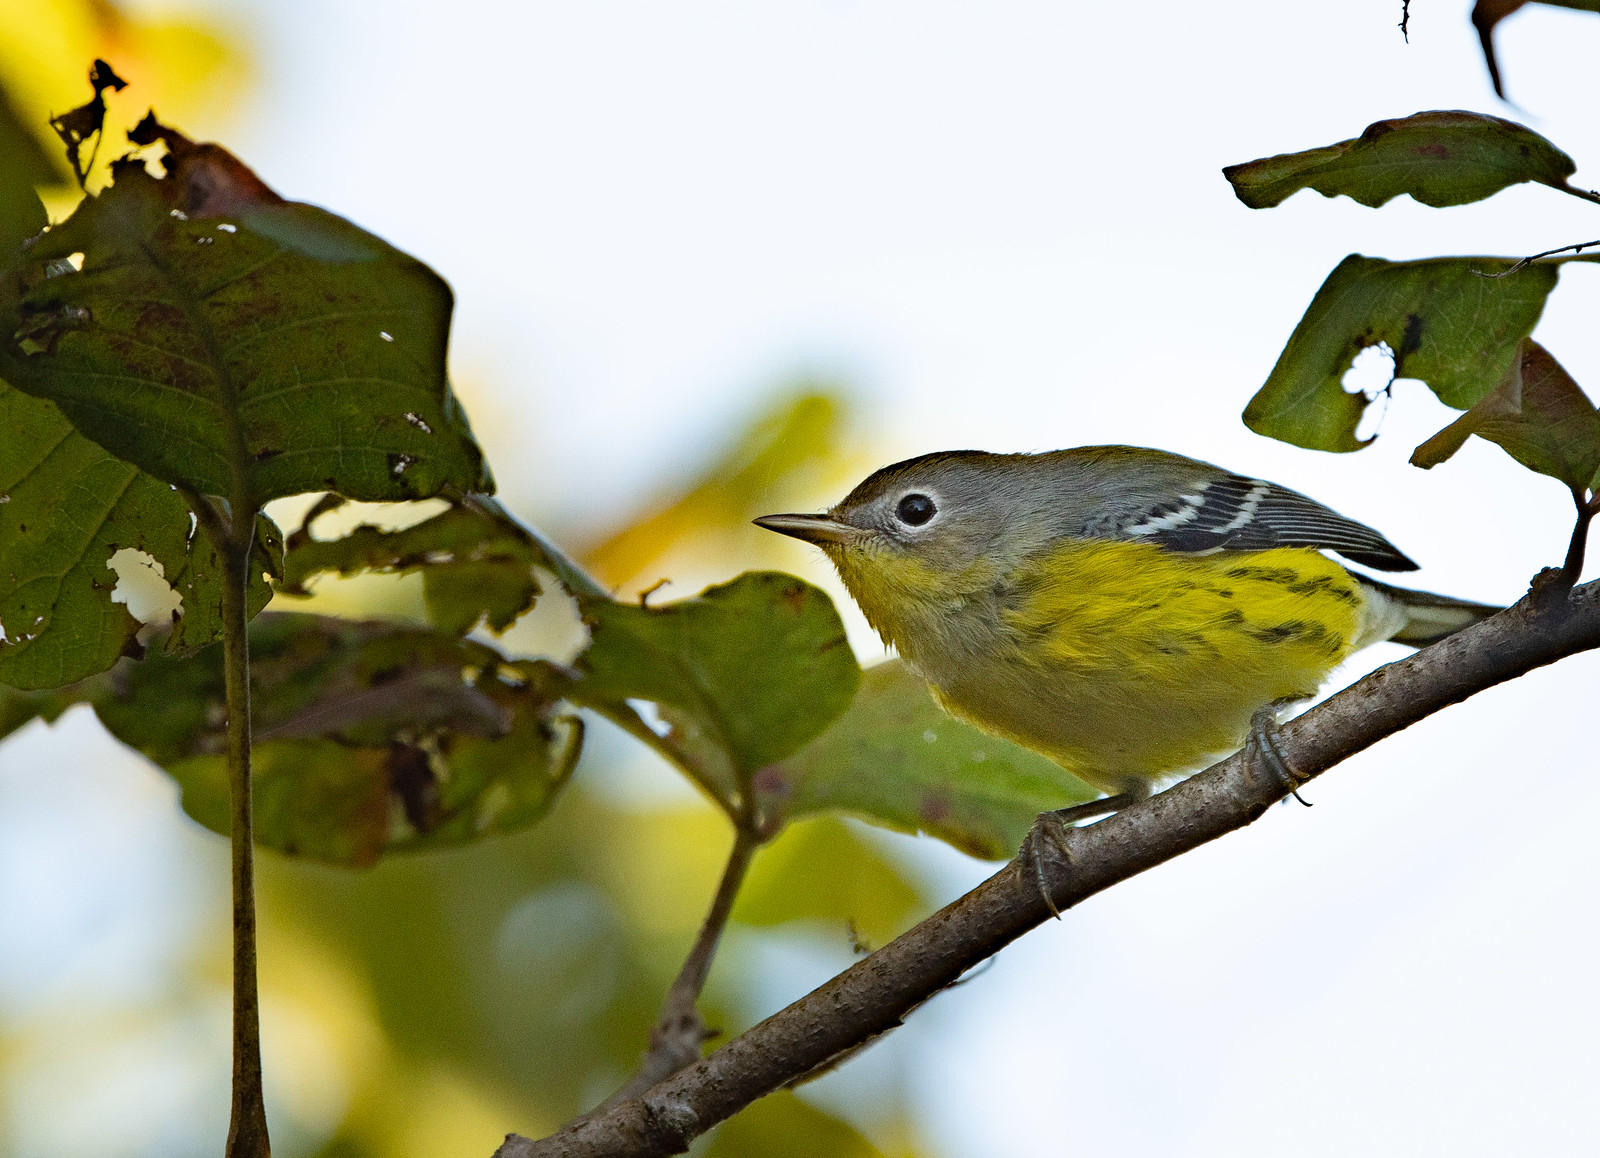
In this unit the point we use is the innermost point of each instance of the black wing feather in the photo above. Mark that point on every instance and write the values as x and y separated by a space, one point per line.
1235 513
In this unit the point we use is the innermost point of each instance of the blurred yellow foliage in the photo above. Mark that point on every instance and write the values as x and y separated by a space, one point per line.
795 453
821 869
193 72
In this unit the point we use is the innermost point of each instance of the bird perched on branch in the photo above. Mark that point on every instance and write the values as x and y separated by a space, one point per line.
1128 613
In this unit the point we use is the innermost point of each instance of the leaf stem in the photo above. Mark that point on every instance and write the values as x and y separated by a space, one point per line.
247 1125
679 1032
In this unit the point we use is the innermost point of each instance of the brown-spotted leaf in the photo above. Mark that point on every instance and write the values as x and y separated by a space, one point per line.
897 759
1447 157
370 737
1537 414
742 675
1443 319
225 340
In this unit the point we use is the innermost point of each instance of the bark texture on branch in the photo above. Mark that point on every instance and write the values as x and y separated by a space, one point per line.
874 995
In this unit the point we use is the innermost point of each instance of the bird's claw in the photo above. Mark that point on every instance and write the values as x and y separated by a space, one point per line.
1049 829
1265 749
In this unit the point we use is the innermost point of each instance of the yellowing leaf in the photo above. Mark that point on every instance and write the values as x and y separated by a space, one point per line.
1537 414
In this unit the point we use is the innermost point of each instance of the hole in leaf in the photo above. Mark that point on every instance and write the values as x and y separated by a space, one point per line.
1371 374
226 227
651 715
72 263
142 585
386 335
1371 371
416 420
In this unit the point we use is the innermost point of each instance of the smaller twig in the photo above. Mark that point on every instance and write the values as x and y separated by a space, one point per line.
679 1032
1553 585
1529 260
1405 20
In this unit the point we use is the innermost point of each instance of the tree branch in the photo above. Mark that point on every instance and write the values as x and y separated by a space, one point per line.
874 995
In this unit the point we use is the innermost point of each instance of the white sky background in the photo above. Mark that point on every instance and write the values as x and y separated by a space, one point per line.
1004 224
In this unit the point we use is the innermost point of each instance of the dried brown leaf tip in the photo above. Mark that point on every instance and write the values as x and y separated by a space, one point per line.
87 120
208 180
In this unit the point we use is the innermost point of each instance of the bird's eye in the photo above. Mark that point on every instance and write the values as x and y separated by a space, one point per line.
914 510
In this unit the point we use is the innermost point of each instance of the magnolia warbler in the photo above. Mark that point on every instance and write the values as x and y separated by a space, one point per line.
1126 612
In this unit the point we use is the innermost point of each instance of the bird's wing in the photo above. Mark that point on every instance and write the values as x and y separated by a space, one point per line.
1230 512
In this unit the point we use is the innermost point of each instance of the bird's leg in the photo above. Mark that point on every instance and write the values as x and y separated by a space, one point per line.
1264 748
1051 828
1101 807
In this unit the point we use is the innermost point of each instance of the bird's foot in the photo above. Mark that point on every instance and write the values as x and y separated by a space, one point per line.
1052 828
1050 832
1264 749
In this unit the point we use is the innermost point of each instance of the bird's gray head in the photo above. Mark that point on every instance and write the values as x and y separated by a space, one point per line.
932 518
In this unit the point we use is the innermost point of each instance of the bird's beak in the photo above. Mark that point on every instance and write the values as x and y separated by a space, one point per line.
812 528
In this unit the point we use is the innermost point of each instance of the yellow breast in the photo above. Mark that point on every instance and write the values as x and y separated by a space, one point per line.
1126 663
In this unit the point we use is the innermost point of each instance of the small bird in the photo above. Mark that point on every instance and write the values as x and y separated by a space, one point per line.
1127 612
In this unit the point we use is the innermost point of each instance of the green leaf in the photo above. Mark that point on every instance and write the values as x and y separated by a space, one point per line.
475 566
1537 414
21 707
743 674
23 165
216 330
1440 158
370 737
1444 321
897 759
66 507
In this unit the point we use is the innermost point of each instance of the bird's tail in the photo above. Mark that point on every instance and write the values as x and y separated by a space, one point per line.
1416 618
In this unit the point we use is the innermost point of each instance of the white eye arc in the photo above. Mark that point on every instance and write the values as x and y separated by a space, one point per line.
915 509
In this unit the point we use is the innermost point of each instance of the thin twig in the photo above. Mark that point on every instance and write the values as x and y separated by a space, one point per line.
1529 260
872 996
679 1033
1405 20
